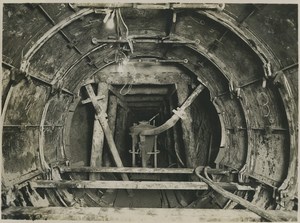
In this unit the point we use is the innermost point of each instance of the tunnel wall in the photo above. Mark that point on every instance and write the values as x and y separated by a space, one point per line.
245 55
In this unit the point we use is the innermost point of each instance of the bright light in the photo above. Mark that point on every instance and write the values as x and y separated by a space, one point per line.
110 24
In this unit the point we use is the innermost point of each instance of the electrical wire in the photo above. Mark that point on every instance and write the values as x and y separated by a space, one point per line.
128 89
126 27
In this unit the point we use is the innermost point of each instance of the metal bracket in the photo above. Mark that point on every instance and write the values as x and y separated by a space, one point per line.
242 178
72 44
99 97
104 114
276 80
180 113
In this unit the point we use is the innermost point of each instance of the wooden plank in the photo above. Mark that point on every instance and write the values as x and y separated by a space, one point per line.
146 90
157 78
121 99
145 104
161 6
186 125
140 170
144 98
138 185
128 170
108 134
137 214
112 113
98 134
177 145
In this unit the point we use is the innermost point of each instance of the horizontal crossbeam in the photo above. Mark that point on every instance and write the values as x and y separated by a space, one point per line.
87 169
139 185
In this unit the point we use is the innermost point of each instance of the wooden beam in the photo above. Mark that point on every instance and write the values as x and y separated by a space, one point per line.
138 214
98 134
145 98
144 104
177 144
85 169
138 185
186 125
158 78
162 6
146 90
101 116
112 113
121 99
142 108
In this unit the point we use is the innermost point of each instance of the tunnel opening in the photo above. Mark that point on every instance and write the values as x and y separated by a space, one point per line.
151 105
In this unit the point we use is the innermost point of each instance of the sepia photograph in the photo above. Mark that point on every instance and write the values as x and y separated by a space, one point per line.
122 111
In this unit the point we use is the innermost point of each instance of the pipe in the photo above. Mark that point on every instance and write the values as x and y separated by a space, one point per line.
172 121
248 205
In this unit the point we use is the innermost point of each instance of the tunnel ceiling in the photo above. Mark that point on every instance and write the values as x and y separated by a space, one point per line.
246 56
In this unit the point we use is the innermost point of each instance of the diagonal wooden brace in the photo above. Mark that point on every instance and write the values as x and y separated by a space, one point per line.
107 132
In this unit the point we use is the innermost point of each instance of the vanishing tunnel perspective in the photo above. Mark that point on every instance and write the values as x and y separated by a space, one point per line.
139 111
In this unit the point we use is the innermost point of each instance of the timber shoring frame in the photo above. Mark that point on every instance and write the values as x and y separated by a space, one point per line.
139 185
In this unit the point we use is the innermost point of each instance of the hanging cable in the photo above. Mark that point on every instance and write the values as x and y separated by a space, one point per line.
126 27
128 89
127 31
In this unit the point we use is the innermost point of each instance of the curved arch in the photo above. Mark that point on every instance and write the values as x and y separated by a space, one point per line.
51 32
63 72
259 48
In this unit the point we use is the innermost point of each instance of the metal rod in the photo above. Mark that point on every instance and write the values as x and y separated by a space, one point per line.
138 185
250 83
144 40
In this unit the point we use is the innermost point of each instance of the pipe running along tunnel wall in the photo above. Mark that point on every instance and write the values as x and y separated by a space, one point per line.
245 55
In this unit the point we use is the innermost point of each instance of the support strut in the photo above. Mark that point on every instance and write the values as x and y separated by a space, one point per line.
101 116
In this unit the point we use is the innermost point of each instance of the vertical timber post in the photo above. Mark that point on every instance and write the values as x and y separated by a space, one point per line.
112 113
102 118
98 134
186 124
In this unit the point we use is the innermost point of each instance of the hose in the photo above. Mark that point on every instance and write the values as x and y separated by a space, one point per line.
173 120
248 205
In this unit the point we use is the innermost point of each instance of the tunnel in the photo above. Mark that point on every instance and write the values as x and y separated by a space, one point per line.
149 111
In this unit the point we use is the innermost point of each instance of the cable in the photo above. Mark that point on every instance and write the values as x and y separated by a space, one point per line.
127 31
248 205
128 89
